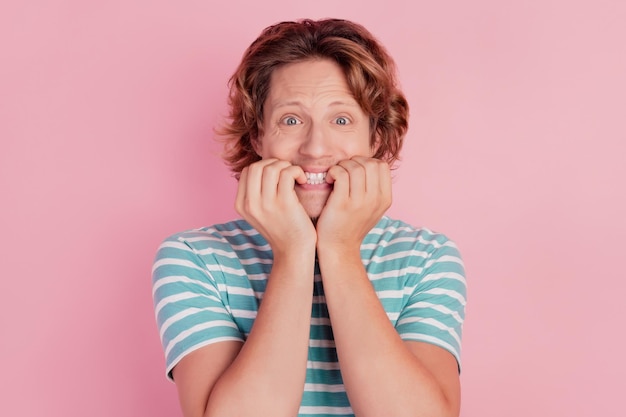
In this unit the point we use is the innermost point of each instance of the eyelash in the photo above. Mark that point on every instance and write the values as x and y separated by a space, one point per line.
285 120
347 121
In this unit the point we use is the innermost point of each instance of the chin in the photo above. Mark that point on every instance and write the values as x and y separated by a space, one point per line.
313 203
313 212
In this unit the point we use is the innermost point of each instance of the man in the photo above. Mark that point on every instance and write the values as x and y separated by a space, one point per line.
315 303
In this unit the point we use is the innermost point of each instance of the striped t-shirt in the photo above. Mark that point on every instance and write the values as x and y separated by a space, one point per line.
208 283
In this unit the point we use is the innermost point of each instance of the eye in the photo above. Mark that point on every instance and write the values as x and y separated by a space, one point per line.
290 121
342 121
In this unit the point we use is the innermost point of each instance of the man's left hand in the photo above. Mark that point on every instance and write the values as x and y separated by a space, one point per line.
361 195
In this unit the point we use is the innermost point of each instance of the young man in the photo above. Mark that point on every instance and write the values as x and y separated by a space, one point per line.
315 303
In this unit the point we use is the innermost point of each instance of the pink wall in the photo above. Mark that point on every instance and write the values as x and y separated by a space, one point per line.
516 150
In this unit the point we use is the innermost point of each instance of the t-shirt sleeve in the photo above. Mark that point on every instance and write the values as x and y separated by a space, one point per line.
188 304
436 308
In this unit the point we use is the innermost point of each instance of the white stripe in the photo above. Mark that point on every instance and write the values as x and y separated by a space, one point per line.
254 261
186 313
221 268
247 291
235 232
434 323
179 297
207 232
378 231
257 277
395 273
214 251
244 314
394 294
324 388
203 236
174 244
396 255
234 255
417 270
326 366
236 272
444 258
187 351
194 329
172 279
319 299
243 246
449 293
437 307
325 410
385 243
321 343
393 316
176 261
410 239
320 321
444 275
430 339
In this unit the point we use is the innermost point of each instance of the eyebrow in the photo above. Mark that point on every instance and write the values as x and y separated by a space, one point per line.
298 103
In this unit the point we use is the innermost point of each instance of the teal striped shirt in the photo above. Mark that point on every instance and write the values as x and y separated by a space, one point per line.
208 282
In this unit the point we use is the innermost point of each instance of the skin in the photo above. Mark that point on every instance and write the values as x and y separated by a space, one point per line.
313 124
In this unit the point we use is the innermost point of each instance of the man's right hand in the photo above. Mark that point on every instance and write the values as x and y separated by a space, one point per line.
266 199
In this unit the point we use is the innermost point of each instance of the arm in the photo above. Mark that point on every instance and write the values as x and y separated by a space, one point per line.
383 375
269 368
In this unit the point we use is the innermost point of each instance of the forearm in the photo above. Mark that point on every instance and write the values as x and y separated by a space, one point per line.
381 375
268 375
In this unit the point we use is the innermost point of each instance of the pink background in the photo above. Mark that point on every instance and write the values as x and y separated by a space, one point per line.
516 150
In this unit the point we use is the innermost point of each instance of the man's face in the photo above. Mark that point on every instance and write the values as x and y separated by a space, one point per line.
312 120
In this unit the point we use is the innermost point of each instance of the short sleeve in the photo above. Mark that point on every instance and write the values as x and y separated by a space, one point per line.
436 308
189 308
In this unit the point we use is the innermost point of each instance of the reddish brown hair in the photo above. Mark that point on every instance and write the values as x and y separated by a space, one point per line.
369 70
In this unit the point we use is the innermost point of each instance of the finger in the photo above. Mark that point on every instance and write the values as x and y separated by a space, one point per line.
288 177
372 169
241 191
271 175
357 174
339 177
255 178
385 181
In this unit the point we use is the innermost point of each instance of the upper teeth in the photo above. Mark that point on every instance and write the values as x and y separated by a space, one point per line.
315 177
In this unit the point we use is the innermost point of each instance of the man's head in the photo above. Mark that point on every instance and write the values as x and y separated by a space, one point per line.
368 69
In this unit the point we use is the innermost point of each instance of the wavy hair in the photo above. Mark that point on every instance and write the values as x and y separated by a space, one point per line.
369 70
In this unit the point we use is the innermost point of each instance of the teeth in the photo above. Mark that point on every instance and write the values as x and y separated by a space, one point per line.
315 178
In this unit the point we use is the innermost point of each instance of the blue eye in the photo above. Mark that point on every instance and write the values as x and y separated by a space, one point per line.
290 121
342 121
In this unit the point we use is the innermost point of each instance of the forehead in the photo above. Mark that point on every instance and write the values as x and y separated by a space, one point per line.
308 80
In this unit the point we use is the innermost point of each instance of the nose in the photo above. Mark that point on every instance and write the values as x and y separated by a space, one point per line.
316 142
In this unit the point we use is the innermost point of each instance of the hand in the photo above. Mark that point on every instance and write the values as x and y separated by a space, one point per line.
267 200
361 195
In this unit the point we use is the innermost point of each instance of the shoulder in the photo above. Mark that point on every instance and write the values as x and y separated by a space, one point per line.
223 236
396 248
398 235
223 244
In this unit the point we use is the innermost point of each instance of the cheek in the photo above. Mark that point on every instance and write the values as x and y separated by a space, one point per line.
273 148
363 145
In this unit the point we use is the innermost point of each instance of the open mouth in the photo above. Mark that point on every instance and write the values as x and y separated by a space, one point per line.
315 178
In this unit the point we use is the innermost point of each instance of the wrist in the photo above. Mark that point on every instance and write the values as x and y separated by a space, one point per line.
339 252
295 254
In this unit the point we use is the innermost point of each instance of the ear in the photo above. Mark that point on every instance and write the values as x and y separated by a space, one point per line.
376 142
256 144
